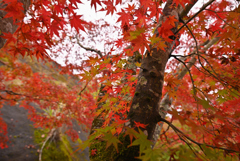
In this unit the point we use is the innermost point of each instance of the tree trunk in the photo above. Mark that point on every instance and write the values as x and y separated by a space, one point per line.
148 94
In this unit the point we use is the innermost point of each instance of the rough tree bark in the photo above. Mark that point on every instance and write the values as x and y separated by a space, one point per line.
148 94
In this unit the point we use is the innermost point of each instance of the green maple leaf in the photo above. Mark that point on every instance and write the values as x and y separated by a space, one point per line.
136 33
111 139
151 154
132 133
142 141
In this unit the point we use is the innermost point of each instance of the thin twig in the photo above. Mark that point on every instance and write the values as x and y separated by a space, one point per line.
194 91
193 141
183 56
83 88
89 49
19 94
223 19
196 43
216 75
195 15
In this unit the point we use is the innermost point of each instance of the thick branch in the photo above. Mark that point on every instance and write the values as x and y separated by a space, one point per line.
181 72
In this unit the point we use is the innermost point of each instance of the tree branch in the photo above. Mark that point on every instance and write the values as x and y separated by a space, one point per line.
186 67
195 15
51 134
190 139
84 88
187 8
89 49
223 19
19 94
182 71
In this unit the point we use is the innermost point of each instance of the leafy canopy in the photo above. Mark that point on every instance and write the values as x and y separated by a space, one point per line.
205 105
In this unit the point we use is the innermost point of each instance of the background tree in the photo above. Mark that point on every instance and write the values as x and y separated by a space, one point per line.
166 48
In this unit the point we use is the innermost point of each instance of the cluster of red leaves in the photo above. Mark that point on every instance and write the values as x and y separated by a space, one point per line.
45 20
3 134
58 100
212 111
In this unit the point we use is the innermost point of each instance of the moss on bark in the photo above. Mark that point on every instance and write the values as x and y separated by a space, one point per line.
125 152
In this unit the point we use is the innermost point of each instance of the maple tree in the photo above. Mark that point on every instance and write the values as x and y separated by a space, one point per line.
170 57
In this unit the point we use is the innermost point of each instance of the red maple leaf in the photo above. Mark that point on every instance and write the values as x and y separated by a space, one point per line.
110 8
95 2
15 10
125 18
118 2
93 152
9 38
138 124
76 22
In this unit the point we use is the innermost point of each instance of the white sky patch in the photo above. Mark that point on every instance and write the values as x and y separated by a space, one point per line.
72 50
90 14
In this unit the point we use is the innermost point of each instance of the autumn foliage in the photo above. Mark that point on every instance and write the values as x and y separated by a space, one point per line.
201 78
